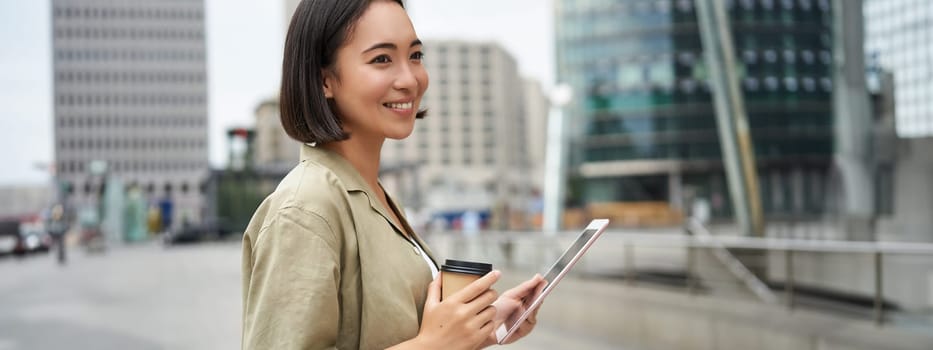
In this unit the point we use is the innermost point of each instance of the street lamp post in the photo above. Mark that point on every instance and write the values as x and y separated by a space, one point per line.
555 160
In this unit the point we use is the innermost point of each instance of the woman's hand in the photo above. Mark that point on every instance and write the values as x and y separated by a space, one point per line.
462 321
513 303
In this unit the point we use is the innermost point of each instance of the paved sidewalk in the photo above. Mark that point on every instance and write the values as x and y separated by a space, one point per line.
149 297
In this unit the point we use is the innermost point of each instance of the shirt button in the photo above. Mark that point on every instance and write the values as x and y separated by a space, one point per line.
416 250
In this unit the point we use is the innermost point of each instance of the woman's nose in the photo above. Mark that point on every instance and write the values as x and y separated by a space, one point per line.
406 79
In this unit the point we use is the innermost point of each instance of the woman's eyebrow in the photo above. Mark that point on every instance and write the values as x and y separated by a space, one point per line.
390 46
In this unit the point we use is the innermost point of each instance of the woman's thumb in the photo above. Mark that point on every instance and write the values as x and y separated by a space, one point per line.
434 292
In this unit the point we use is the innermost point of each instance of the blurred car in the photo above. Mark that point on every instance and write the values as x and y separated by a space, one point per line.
10 240
35 241
210 229
35 237
24 235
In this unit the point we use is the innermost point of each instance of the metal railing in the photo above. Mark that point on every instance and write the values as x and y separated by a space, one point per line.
733 264
634 253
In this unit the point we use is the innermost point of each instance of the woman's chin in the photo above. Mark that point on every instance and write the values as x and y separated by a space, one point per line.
399 134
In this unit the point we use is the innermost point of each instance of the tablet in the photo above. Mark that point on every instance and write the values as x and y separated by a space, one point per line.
553 276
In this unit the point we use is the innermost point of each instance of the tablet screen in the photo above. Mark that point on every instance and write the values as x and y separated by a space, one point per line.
557 271
571 252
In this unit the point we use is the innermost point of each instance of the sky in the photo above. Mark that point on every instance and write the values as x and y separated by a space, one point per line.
244 43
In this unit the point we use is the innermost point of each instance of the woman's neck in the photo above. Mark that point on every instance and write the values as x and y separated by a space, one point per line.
364 155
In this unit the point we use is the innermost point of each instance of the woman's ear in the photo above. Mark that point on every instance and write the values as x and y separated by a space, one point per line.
328 82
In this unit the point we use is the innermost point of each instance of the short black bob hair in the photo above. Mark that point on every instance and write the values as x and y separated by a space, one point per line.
317 29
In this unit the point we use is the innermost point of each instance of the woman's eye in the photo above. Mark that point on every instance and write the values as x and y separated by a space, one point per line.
381 59
417 56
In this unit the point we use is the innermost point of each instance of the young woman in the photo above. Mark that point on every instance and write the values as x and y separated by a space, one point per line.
329 260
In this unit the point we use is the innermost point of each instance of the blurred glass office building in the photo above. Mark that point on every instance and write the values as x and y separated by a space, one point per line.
642 119
130 94
899 37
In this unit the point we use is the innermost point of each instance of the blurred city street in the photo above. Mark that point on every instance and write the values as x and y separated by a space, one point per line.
146 296
136 297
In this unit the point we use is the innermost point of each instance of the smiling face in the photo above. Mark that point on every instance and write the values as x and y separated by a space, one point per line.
378 80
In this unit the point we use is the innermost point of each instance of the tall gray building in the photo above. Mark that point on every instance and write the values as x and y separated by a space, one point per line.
130 90
474 145
899 35
537 108
273 150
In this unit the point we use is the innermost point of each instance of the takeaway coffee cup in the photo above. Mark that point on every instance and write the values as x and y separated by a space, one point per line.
456 274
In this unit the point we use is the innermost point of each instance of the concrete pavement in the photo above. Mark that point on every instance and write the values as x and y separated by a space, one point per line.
137 297
149 297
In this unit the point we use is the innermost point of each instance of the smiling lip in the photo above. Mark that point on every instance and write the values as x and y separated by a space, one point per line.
400 106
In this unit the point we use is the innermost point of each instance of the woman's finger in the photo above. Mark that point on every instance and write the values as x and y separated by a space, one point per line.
491 324
540 288
505 307
434 292
484 300
476 288
523 289
488 314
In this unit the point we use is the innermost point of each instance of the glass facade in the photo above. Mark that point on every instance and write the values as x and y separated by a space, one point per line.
899 37
641 94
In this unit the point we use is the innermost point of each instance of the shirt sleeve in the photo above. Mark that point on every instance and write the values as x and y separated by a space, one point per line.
291 292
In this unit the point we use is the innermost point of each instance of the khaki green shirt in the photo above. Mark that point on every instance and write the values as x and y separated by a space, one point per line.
325 268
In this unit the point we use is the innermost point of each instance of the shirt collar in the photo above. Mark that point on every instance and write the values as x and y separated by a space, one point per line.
354 182
341 167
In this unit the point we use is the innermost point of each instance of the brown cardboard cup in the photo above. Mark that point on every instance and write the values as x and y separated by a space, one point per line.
457 274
